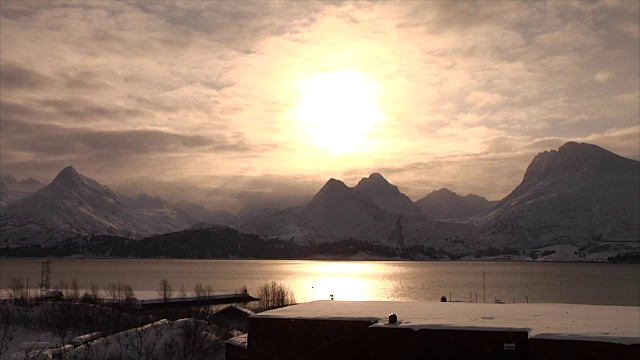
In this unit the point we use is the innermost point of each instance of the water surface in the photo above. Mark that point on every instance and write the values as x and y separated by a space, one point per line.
579 283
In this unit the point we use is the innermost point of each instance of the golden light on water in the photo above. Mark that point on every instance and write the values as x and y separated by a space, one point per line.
345 281
337 110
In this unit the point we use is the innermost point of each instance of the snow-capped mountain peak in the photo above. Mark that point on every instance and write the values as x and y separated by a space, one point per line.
575 193
73 204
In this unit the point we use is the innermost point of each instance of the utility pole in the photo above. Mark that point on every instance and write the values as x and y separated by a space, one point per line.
484 288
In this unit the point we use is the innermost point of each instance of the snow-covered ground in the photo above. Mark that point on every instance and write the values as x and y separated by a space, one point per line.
566 252
162 339
21 336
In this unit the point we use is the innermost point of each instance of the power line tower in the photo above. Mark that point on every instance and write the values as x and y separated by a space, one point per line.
45 276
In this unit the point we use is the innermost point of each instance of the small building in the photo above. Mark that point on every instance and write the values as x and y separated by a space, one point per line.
53 295
436 330
233 317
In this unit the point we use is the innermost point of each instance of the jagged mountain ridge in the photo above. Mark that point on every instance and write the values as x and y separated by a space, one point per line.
203 214
13 189
72 205
571 195
386 195
159 213
340 212
446 204
577 193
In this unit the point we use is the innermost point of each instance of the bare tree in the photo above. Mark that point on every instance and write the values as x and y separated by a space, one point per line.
274 295
63 286
208 290
17 288
95 291
165 289
117 291
112 291
199 290
128 292
75 289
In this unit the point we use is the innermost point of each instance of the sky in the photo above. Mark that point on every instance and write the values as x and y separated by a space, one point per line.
232 103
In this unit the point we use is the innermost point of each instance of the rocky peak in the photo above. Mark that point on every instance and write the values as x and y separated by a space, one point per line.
576 162
68 177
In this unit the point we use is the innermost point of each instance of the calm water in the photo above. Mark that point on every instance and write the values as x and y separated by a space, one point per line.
610 284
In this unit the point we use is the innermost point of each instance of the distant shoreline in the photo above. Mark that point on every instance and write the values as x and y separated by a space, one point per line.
321 258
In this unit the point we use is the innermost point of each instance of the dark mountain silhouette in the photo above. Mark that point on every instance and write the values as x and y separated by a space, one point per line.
445 204
338 212
386 195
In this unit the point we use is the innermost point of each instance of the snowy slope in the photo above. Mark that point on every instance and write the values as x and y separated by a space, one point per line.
574 195
73 204
4 194
157 213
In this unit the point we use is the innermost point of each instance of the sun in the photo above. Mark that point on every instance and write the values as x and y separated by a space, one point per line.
338 110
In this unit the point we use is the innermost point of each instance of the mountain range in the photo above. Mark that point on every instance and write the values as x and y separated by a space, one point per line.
574 195
74 205
445 204
12 190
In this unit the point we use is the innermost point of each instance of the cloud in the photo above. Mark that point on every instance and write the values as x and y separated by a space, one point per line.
233 192
44 139
202 93
481 99
15 77
603 76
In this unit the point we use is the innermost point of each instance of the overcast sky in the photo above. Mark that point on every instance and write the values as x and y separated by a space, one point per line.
225 102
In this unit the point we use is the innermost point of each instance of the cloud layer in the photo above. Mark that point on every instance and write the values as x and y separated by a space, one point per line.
196 100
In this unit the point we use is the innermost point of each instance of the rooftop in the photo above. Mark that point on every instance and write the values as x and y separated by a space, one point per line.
615 324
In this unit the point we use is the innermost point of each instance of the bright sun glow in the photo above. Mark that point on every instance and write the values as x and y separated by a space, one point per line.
343 280
337 110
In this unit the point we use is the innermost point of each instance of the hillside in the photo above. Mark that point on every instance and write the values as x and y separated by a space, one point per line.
576 194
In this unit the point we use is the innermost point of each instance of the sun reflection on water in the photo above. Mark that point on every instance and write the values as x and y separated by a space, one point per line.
342 280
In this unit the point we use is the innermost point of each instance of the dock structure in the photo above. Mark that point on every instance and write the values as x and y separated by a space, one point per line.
178 302
434 330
